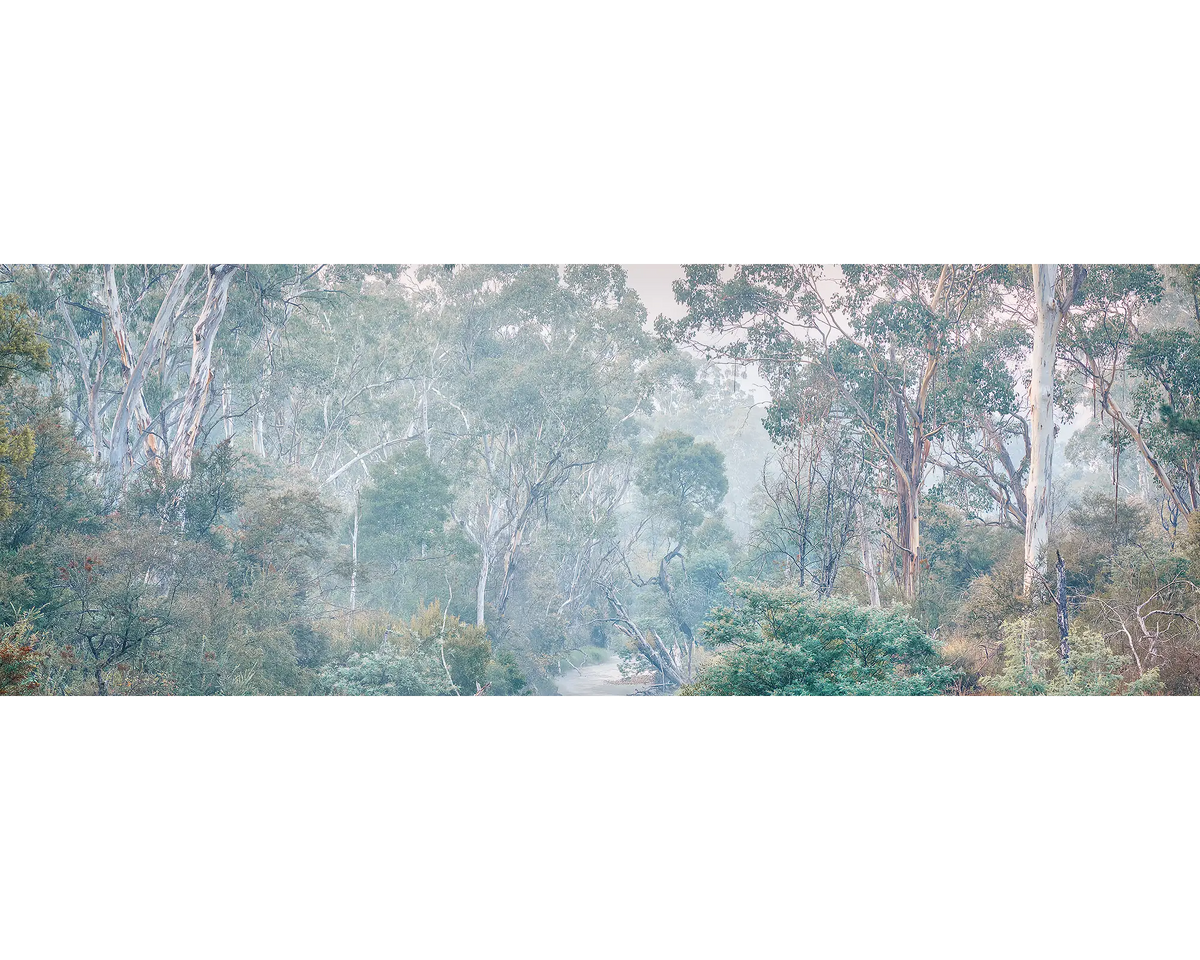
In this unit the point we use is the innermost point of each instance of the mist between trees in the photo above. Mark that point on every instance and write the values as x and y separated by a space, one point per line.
492 480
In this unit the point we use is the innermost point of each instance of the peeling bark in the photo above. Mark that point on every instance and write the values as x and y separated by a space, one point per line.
132 405
187 429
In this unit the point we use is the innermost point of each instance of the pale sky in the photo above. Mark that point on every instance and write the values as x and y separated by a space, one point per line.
653 282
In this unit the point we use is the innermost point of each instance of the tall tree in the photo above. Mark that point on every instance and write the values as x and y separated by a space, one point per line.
1053 290
128 398
131 407
551 368
879 335
1100 348
195 397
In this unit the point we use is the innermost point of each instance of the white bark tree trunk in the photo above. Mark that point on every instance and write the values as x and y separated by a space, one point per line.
481 587
91 387
1143 479
868 556
132 405
227 407
1041 403
187 429
353 569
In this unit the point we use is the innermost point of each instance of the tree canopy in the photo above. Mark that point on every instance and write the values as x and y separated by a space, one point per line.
453 479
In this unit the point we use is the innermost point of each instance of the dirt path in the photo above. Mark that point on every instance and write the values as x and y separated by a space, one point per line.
596 680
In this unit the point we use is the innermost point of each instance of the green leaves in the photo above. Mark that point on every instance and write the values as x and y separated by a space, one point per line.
781 641
683 479
406 507
1032 667
22 353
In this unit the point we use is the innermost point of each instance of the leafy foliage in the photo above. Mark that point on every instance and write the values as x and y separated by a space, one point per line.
682 480
453 478
780 641
21 353
19 659
1032 667
434 654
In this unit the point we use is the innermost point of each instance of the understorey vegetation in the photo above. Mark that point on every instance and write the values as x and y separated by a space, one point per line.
462 480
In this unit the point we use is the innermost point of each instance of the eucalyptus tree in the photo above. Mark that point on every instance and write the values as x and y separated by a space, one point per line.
200 376
551 368
73 303
1099 347
410 550
321 360
683 484
985 449
132 412
1054 289
813 489
562 603
97 314
881 337
1166 403
722 406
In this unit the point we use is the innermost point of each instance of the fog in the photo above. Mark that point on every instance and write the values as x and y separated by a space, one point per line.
597 480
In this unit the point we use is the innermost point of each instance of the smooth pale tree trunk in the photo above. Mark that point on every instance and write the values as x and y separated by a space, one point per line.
132 405
511 554
1041 404
353 568
92 391
1143 479
227 408
187 430
868 556
257 426
508 565
912 454
908 468
486 547
481 588
909 538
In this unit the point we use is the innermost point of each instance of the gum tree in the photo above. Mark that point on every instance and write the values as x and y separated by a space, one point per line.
881 337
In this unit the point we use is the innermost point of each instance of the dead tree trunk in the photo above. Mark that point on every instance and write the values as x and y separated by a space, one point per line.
1060 601
647 643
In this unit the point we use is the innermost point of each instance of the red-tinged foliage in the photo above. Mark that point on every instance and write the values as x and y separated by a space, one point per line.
18 661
